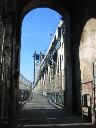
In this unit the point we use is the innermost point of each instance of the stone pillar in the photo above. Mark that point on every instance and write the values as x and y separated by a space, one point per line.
8 19
2 31
68 66
76 74
76 79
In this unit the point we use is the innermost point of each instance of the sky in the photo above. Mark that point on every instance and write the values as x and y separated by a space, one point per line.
37 27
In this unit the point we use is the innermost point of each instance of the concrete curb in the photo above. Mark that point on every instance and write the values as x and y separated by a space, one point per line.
55 105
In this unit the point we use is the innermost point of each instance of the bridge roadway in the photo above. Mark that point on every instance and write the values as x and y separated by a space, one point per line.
40 113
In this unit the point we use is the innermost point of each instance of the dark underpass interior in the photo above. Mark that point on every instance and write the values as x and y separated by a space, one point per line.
40 110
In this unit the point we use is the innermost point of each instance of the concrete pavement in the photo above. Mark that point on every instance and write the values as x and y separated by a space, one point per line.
38 113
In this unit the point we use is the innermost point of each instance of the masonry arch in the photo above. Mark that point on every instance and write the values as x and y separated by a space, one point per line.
27 6
87 55
87 49
24 6
75 16
11 16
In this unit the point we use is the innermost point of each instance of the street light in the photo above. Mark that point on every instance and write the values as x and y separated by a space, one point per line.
34 56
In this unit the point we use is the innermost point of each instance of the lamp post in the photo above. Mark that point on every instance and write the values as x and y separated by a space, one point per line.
34 56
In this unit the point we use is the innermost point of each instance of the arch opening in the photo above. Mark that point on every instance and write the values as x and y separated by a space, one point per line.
49 81
58 7
87 54
10 38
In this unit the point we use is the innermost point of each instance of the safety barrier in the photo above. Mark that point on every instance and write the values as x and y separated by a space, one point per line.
25 89
52 88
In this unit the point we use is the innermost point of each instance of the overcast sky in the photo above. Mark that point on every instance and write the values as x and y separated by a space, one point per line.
37 26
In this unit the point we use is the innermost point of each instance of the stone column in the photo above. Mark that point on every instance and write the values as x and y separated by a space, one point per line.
8 18
68 66
76 74
2 33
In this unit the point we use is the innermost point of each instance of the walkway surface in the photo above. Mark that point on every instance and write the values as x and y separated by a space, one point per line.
40 113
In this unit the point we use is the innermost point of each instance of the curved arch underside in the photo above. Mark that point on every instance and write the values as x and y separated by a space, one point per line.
27 5
77 12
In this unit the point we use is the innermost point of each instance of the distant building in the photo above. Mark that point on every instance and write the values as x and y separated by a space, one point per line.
51 74
38 58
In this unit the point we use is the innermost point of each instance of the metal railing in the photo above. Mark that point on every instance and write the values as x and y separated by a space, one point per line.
25 89
52 88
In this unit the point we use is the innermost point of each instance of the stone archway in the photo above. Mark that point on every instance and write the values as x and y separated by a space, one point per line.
76 16
57 6
11 15
87 53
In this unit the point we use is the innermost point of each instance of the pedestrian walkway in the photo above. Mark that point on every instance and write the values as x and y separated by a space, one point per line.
40 113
